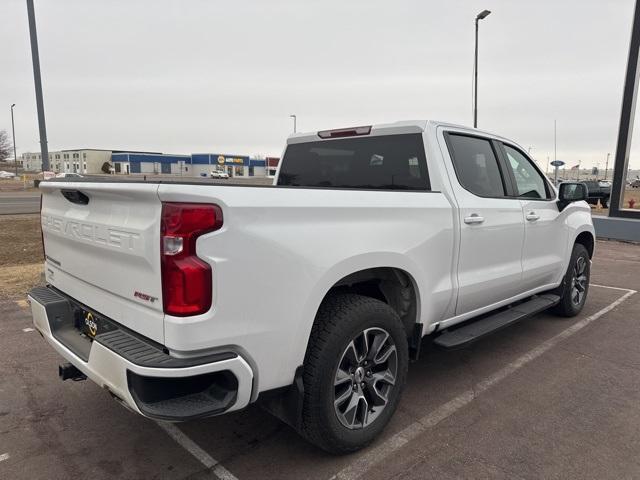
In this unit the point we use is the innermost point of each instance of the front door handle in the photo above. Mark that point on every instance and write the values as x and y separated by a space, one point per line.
532 216
473 219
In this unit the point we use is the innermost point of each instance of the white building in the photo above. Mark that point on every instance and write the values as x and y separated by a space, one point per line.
84 160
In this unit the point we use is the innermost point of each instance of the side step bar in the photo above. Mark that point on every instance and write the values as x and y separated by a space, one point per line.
475 329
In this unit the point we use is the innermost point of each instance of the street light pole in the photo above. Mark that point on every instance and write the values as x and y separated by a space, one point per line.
480 16
13 131
295 121
35 58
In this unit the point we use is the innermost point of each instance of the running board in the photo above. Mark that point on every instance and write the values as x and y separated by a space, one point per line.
474 330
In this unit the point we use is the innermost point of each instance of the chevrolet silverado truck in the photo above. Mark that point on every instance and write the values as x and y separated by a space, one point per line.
309 296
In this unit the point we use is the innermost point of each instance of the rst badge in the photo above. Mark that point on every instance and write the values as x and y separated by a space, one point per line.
145 297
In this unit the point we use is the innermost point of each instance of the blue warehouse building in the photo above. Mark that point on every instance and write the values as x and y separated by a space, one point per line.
194 165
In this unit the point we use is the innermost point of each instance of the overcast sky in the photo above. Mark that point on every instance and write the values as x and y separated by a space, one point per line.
224 76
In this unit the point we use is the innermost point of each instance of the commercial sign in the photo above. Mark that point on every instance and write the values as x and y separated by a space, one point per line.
230 160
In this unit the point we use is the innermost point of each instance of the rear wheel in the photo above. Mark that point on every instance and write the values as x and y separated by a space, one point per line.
575 285
354 371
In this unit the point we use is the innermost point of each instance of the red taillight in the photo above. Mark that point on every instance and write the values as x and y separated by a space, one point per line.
186 279
345 132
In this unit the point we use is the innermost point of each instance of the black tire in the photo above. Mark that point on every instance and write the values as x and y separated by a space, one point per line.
568 306
340 320
604 203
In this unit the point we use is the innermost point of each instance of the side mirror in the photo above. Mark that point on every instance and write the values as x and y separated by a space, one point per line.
571 192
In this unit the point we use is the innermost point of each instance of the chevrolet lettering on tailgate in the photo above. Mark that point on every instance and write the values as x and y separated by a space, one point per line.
89 232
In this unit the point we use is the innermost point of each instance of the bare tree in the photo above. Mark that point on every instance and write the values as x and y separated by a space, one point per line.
6 148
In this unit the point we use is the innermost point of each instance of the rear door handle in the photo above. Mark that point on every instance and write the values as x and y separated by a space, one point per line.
532 216
473 218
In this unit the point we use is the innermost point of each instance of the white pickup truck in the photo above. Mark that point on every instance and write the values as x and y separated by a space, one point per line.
185 300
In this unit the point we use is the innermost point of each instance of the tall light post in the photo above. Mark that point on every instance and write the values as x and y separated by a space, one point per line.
13 131
480 16
35 58
295 120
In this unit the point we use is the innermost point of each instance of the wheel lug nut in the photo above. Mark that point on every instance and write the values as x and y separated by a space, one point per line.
369 373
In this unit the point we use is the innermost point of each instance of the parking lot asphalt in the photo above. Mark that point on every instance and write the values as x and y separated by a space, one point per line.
546 398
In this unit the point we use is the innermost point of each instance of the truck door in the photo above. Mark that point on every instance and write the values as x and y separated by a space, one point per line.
545 235
491 223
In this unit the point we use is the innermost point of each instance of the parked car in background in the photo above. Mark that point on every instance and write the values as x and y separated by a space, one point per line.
5 174
48 175
68 175
598 190
635 183
219 174
371 238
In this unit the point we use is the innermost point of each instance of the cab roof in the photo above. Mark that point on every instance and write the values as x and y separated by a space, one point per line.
395 128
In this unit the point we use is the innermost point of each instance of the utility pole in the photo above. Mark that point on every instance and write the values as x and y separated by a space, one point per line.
606 167
547 169
35 58
480 16
555 141
13 130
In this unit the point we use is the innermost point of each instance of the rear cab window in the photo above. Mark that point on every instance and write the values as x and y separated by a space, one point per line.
384 162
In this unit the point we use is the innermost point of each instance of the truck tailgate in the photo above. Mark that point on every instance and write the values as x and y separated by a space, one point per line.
102 247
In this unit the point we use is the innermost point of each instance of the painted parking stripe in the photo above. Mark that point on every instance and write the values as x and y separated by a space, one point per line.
194 449
376 454
610 288
4 456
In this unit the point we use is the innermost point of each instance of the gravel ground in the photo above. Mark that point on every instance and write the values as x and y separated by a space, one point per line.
21 254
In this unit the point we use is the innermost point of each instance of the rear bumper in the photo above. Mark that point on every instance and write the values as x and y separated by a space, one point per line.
137 371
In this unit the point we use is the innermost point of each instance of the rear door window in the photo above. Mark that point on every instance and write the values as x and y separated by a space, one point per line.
387 162
476 165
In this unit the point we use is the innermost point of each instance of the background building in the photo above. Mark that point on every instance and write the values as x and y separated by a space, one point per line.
83 160
150 163
272 165
194 165
121 162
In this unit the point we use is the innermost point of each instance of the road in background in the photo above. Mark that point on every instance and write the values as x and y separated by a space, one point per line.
16 202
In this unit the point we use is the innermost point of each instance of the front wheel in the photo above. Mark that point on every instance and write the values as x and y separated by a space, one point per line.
354 371
575 285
